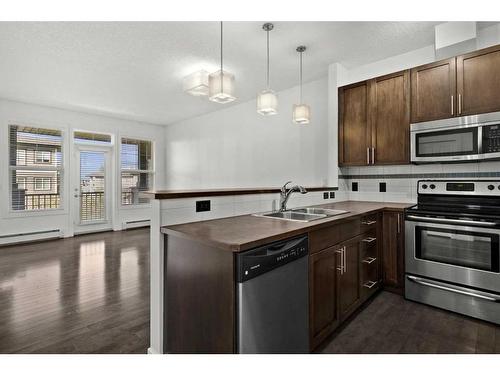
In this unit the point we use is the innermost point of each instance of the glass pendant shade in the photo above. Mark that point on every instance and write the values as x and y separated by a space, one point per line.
267 103
196 84
221 87
301 114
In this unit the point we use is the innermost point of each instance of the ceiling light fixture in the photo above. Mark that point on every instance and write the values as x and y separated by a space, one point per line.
221 83
196 84
267 101
301 111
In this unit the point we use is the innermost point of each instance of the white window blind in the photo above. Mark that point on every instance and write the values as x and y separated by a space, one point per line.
137 170
35 168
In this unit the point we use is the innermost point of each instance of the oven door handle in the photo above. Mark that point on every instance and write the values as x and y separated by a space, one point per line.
468 292
454 221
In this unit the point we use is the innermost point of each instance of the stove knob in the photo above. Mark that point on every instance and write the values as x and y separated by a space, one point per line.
490 187
424 186
498 187
433 186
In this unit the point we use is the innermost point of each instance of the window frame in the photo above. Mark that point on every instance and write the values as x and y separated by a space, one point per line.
43 179
150 172
43 167
42 159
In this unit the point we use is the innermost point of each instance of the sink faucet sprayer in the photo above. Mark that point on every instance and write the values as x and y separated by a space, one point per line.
285 194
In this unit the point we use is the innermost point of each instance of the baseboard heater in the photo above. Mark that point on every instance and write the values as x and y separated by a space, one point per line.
8 239
136 224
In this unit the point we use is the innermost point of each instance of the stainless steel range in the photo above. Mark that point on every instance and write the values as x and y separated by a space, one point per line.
452 247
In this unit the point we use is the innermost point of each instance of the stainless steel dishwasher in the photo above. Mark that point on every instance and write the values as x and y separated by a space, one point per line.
273 298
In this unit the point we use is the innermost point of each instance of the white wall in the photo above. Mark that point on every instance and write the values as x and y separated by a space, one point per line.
26 114
237 147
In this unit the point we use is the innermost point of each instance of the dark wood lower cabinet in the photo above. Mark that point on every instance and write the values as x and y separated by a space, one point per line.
323 316
393 251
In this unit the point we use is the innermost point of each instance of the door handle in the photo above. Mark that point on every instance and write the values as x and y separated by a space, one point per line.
459 104
344 262
369 239
369 260
452 109
373 155
369 222
368 155
341 260
370 284
399 223
465 291
444 221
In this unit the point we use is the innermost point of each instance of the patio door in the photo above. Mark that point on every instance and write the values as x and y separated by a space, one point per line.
92 189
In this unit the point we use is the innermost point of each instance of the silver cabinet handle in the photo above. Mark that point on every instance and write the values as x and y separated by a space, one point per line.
399 223
370 284
441 220
369 239
341 267
368 155
459 104
369 260
465 291
369 222
373 155
452 109
344 265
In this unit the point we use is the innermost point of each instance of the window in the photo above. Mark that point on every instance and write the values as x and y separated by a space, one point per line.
42 183
42 157
92 138
21 157
35 168
136 170
21 183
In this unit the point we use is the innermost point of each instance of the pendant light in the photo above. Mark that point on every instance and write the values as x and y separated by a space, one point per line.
221 83
267 101
301 111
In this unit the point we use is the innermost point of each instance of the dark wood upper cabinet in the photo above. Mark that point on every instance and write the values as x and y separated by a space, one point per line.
354 136
478 81
433 88
393 251
389 113
374 121
323 317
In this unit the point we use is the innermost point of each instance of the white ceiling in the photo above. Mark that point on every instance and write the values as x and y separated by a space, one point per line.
134 70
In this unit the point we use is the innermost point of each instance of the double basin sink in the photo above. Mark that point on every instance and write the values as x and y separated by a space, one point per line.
302 214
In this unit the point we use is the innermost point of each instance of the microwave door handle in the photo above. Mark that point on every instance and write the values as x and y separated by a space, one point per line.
465 291
454 221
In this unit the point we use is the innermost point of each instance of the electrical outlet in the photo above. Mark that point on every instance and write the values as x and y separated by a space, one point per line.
354 186
325 195
202 206
332 195
382 187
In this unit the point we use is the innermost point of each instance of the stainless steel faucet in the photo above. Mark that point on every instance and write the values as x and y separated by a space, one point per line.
285 194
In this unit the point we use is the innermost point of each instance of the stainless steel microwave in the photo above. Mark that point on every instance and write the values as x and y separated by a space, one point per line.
467 138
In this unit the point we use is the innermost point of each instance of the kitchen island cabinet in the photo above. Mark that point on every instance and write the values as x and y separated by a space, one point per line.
200 293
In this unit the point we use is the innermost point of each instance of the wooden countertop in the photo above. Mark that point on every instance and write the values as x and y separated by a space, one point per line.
174 194
239 233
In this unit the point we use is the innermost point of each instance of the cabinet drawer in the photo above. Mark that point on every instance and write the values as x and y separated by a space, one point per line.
369 222
369 244
322 238
370 275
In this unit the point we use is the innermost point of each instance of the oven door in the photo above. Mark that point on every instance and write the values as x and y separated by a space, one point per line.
458 254
448 144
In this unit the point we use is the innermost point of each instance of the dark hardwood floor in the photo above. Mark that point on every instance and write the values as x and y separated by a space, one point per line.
87 294
391 324
90 294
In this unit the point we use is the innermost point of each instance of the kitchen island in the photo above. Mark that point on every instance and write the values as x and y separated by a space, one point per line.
199 263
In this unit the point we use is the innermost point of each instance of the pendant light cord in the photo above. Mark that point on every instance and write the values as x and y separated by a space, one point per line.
267 59
221 59
301 77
